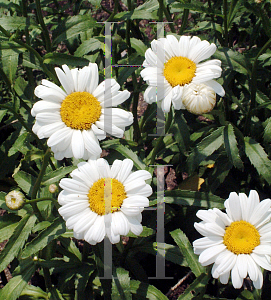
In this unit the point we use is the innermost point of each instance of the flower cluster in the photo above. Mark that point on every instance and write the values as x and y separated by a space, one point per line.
101 200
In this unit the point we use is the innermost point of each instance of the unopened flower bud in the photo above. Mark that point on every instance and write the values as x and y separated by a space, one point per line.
199 98
15 200
53 188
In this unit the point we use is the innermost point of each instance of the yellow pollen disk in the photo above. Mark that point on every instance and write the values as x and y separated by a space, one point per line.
106 196
241 237
79 110
179 70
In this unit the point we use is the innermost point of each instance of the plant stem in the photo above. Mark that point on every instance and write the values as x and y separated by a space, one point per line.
160 11
160 139
28 70
43 26
38 182
254 85
167 14
40 199
225 22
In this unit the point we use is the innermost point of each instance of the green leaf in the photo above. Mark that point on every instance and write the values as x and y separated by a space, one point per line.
245 295
17 240
126 152
31 292
190 198
55 294
233 60
88 46
72 27
258 158
186 249
55 176
147 11
22 144
25 181
142 289
267 131
231 147
14 287
196 289
83 276
121 285
44 237
260 13
146 232
180 132
62 58
9 62
196 7
14 23
139 46
6 232
171 252
205 148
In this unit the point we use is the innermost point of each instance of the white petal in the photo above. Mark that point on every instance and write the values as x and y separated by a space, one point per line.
94 78
259 212
61 136
65 81
209 255
96 232
125 170
201 51
120 224
91 142
78 145
224 278
237 281
135 225
85 222
73 186
84 79
233 207
252 268
184 43
47 130
241 263
261 261
141 174
216 87
150 94
47 106
69 77
166 103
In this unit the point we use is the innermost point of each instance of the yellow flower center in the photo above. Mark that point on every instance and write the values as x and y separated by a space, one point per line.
241 237
80 110
106 196
179 70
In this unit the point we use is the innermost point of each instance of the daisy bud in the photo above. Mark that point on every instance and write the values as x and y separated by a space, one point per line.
15 200
199 98
53 188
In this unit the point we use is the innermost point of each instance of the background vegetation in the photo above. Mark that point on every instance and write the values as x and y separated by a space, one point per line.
209 156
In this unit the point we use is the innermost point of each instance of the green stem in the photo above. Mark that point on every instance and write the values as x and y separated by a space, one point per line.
160 11
225 22
160 139
167 14
254 85
184 21
43 26
40 199
38 182
27 38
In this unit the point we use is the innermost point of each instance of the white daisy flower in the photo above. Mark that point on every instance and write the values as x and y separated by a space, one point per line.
180 66
98 191
199 98
74 119
238 241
